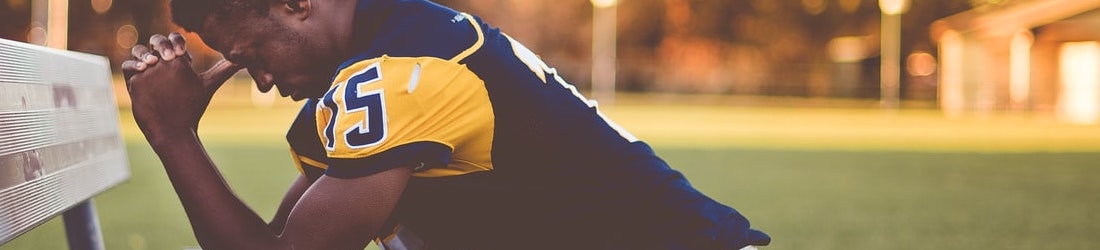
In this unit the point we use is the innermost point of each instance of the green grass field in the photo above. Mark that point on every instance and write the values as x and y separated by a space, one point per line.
828 178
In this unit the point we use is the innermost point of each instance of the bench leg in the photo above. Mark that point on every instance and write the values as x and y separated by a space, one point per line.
82 227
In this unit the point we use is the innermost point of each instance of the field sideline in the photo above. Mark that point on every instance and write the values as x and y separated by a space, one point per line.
814 178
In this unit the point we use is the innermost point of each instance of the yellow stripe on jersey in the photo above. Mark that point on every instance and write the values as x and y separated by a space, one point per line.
297 161
401 100
312 162
302 159
477 45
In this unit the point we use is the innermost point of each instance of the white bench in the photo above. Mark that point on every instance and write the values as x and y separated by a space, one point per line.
60 143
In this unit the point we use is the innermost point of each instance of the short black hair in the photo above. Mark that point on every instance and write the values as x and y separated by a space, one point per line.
190 14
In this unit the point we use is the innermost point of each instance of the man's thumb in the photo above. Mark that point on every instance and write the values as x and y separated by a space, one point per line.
214 77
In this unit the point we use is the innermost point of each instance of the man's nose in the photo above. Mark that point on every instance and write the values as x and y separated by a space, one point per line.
264 81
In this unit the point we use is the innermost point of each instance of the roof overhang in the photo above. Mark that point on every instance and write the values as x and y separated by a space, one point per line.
1009 17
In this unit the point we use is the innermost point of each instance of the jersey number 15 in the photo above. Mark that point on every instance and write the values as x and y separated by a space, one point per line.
364 115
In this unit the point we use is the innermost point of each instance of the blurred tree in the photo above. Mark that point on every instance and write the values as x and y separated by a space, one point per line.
714 46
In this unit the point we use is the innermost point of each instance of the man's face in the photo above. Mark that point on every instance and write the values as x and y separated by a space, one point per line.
274 53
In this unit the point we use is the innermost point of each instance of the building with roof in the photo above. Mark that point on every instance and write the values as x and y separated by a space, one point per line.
1033 55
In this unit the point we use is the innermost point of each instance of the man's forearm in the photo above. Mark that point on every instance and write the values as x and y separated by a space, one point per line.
219 219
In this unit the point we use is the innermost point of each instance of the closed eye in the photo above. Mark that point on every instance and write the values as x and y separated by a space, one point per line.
243 61
240 59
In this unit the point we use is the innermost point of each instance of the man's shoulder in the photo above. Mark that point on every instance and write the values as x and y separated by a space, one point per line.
422 29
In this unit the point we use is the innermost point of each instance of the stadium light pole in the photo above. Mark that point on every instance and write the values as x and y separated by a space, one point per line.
53 17
890 66
604 32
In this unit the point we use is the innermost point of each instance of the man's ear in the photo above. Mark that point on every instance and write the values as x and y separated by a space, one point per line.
299 8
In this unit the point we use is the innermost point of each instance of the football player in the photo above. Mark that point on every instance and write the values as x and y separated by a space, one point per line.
422 127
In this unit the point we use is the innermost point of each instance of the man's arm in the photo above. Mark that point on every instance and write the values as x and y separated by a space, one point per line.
293 194
168 100
332 213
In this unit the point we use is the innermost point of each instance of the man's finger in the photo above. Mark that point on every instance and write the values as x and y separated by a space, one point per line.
163 46
143 53
178 43
132 67
214 77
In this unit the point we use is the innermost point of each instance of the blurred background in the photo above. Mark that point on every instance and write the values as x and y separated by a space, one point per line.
809 48
832 124
962 56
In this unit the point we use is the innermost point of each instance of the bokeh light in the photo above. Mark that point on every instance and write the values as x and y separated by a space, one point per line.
18 5
814 7
848 49
604 3
920 63
102 6
893 7
37 34
849 6
126 36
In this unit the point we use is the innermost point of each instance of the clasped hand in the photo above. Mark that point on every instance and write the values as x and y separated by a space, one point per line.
167 96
